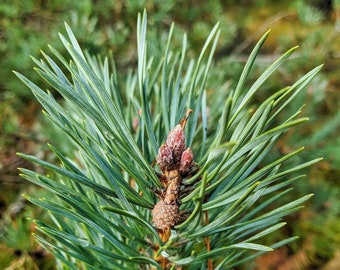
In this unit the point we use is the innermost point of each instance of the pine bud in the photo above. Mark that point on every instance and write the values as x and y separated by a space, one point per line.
186 161
176 142
165 158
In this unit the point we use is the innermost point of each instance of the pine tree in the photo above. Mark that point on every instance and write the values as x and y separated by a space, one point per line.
163 179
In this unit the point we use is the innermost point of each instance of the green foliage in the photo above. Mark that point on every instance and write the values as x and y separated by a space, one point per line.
101 26
22 26
309 15
102 200
30 25
17 245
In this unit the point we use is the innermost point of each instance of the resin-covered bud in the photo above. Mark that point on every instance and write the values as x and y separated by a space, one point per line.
186 161
176 142
165 158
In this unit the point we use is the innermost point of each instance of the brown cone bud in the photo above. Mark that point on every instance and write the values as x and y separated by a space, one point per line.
164 158
176 142
165 215
186 161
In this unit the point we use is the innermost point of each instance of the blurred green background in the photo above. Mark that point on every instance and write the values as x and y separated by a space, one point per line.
103 26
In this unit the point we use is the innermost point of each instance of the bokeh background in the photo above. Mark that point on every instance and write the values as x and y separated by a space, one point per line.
104 26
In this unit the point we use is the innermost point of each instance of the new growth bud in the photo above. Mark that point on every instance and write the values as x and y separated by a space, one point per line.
176 142
186 161
165 158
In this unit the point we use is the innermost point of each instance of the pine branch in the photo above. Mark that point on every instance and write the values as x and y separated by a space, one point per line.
148 189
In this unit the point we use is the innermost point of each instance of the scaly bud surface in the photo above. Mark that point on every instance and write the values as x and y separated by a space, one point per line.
165 215
186 161
165 158
176 142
